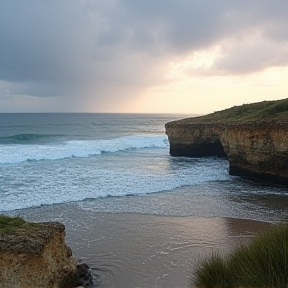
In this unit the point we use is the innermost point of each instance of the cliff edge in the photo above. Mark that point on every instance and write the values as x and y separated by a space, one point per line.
34 255
253 137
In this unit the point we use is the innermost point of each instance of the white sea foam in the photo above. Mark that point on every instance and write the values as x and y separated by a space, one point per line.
153 170
78 148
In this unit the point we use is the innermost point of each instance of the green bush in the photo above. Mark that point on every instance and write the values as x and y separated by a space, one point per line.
263 263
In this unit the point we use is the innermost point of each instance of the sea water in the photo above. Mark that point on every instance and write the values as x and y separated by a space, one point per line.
97 160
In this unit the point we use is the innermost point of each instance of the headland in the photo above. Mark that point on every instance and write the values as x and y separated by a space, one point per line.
253 137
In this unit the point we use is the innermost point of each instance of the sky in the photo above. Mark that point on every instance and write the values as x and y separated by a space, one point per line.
131 56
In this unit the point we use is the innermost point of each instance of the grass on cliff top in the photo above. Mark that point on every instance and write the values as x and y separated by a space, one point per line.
274 110
263 263
9 224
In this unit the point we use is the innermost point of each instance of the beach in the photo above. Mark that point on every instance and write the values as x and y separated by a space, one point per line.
140 250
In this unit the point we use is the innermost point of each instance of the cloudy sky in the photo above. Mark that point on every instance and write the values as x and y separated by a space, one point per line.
167 56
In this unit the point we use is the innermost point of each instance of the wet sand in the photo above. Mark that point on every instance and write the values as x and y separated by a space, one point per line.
138 250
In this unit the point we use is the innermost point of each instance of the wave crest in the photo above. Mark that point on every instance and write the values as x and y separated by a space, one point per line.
16 153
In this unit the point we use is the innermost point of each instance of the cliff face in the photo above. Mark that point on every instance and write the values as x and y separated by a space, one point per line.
36 257
256 149
194 140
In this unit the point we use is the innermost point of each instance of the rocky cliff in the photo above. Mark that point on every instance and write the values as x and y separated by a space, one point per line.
36 256
255 149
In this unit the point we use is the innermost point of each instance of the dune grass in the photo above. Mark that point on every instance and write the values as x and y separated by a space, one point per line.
212 272
263 263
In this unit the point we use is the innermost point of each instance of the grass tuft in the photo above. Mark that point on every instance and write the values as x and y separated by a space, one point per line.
8 223
263 263
213 272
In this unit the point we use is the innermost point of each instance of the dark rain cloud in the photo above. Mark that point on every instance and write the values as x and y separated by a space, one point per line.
64 47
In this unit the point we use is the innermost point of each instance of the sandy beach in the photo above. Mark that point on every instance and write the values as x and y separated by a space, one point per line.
136 250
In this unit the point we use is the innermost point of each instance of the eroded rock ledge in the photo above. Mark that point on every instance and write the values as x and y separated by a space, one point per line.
257 149
36 256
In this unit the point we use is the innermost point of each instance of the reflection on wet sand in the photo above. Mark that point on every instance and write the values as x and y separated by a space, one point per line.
136 250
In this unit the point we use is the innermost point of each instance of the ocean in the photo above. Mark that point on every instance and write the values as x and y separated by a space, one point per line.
137 216
99 160
56 158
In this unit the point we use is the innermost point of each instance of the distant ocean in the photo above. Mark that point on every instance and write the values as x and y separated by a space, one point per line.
81 158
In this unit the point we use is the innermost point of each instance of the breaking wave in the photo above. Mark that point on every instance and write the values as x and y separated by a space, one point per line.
16 153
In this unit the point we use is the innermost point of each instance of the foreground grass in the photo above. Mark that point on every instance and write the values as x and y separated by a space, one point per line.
263 263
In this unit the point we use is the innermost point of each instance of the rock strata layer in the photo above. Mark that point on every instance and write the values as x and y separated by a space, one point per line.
36 256
256 150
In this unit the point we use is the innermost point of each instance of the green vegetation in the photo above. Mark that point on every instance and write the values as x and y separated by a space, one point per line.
274 110
9 224
263 263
